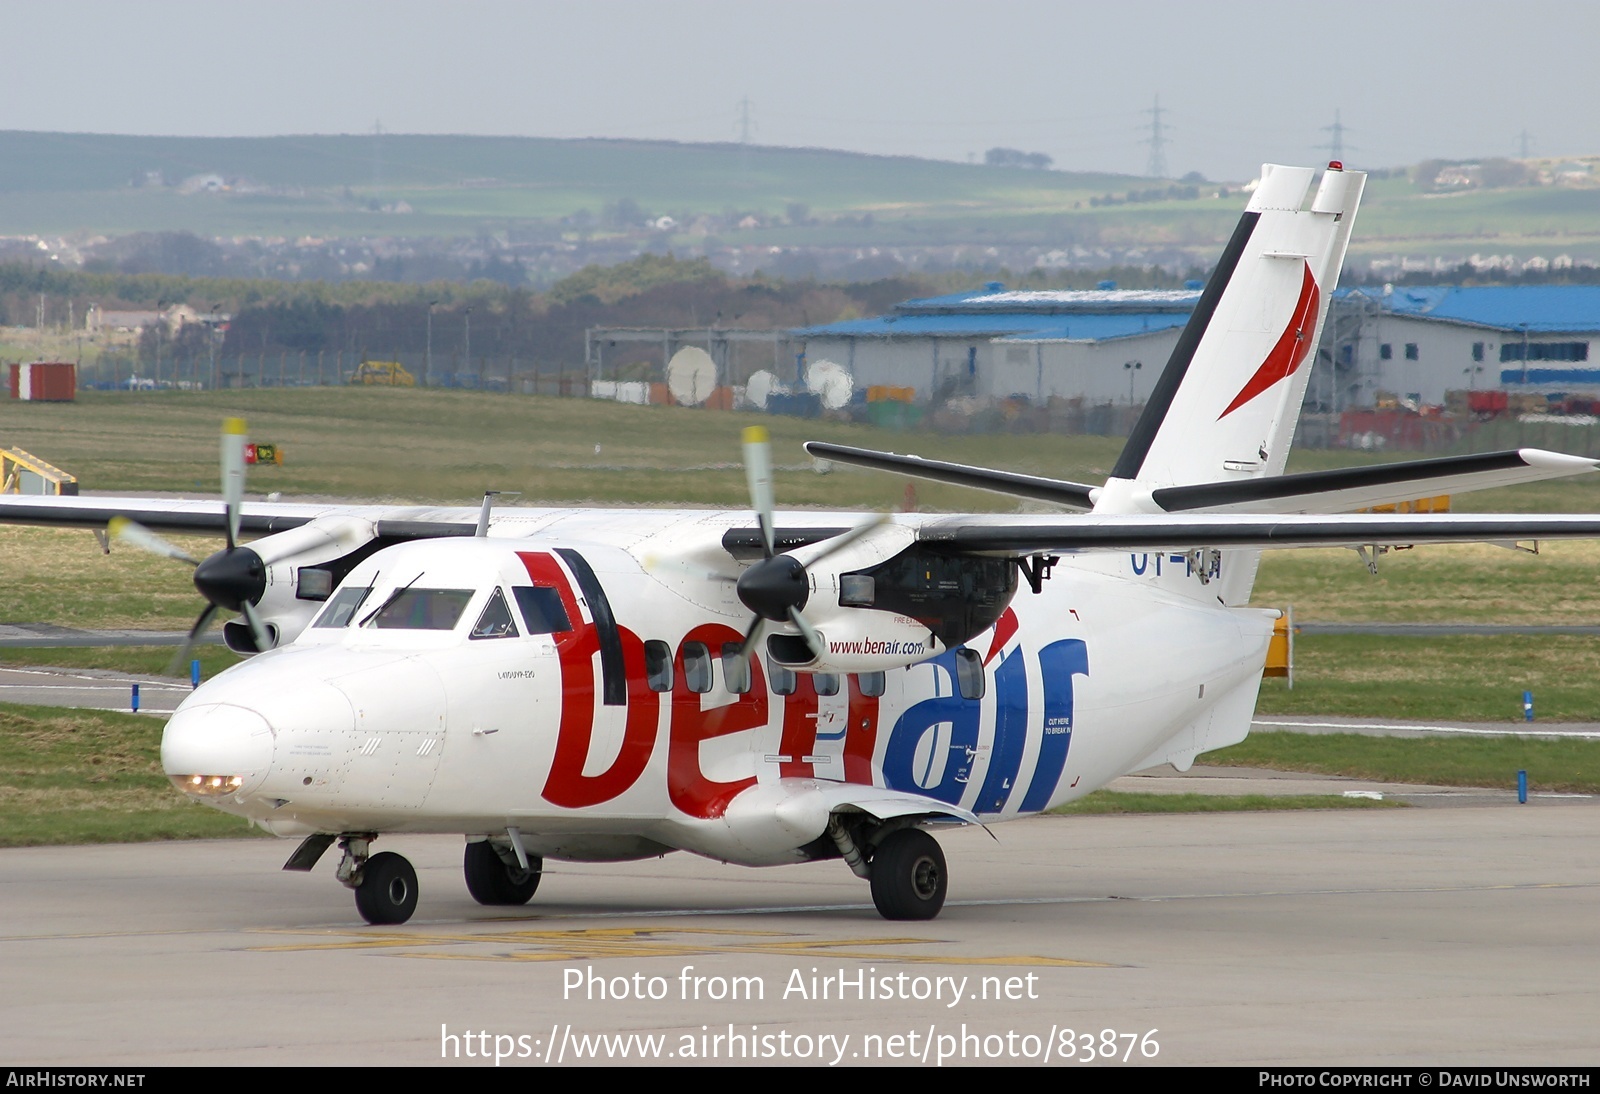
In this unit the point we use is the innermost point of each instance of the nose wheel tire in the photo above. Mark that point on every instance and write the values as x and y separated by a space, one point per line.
908 875
388 890
491 880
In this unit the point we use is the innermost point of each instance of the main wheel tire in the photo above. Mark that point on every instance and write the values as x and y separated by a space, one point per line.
388 890
908 875
491 881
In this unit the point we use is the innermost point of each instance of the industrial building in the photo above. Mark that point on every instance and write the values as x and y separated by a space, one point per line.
1108 346
1104 345
1419 343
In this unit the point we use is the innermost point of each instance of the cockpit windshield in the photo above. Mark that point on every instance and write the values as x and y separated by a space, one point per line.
415 609
342 607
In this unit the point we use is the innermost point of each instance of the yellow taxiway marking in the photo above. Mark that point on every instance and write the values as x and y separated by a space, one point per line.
589 944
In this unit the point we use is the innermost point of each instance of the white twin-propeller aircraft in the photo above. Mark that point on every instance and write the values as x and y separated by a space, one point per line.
603 685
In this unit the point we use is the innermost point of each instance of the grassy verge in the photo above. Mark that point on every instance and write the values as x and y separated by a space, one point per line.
1564 766
138 660
1468 678
1115 801
90 776
1445 584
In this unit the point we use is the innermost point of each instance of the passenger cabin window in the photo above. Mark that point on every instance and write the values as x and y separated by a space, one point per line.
423 610
872 684
969 674
658 666
495 622
342 607
783 680
826 683
697 667
542 609
735 669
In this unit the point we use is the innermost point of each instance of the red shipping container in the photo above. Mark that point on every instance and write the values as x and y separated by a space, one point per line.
45 381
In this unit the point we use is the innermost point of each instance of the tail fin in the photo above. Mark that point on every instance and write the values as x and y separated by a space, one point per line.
1226 405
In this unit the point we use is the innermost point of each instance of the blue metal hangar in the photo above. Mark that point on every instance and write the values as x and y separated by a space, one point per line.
1104 345
1425 341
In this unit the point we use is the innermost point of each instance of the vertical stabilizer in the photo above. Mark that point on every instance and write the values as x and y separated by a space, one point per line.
1226 404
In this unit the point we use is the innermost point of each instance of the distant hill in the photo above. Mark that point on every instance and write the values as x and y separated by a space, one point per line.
744 200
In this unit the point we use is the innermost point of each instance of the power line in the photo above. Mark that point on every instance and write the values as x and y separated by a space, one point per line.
745 123
1335 147
1157 166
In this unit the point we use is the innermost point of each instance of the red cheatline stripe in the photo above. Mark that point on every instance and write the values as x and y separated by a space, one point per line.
1291 349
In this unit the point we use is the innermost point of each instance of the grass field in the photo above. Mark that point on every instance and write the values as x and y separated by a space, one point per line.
1469 678
1552 765
89 776
449 446
1116 801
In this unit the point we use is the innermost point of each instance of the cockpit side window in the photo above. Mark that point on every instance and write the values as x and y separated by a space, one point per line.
495 622
342 608
423 610
542 609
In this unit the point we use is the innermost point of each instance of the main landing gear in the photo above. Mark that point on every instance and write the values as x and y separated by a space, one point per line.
494 876
905 866
908 875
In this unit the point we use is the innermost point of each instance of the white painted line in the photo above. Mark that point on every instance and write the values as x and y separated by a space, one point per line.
1507 732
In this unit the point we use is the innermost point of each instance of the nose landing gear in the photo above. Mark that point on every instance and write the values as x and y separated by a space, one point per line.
385 884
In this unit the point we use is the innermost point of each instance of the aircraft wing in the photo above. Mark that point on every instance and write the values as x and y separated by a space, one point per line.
206 517
1024 535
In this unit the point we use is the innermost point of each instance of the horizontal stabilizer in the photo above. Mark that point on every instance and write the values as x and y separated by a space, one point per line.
1351 488
1073 495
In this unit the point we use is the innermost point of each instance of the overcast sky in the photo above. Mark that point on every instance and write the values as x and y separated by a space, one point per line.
1239 82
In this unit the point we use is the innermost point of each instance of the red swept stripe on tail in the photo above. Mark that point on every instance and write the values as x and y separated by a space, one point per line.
1292 348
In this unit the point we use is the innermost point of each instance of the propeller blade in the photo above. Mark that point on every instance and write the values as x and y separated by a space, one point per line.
234 438
751 637
131 531
180 660
840 542
758 473
810 633
258 629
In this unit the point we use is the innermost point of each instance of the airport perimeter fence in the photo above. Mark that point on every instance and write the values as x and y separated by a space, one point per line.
1374 431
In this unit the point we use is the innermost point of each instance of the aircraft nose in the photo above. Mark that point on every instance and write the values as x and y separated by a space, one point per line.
216 751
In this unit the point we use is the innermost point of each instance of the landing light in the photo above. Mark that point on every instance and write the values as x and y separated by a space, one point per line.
208 786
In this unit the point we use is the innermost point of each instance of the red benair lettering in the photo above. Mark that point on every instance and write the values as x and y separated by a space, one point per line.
567 785
692 724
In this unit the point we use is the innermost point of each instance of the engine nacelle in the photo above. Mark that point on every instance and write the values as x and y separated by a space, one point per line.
887 602
857 641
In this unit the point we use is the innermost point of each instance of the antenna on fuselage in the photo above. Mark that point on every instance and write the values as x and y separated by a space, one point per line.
488 503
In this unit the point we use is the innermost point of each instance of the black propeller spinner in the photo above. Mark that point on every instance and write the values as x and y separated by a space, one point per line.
232 579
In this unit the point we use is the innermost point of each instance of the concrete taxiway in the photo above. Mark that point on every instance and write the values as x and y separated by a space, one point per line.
1408 936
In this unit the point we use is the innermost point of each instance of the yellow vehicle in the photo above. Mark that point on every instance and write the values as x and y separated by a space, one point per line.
383 372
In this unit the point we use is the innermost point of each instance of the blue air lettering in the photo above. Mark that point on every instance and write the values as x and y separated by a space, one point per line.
933 744
1059 662
1010 733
